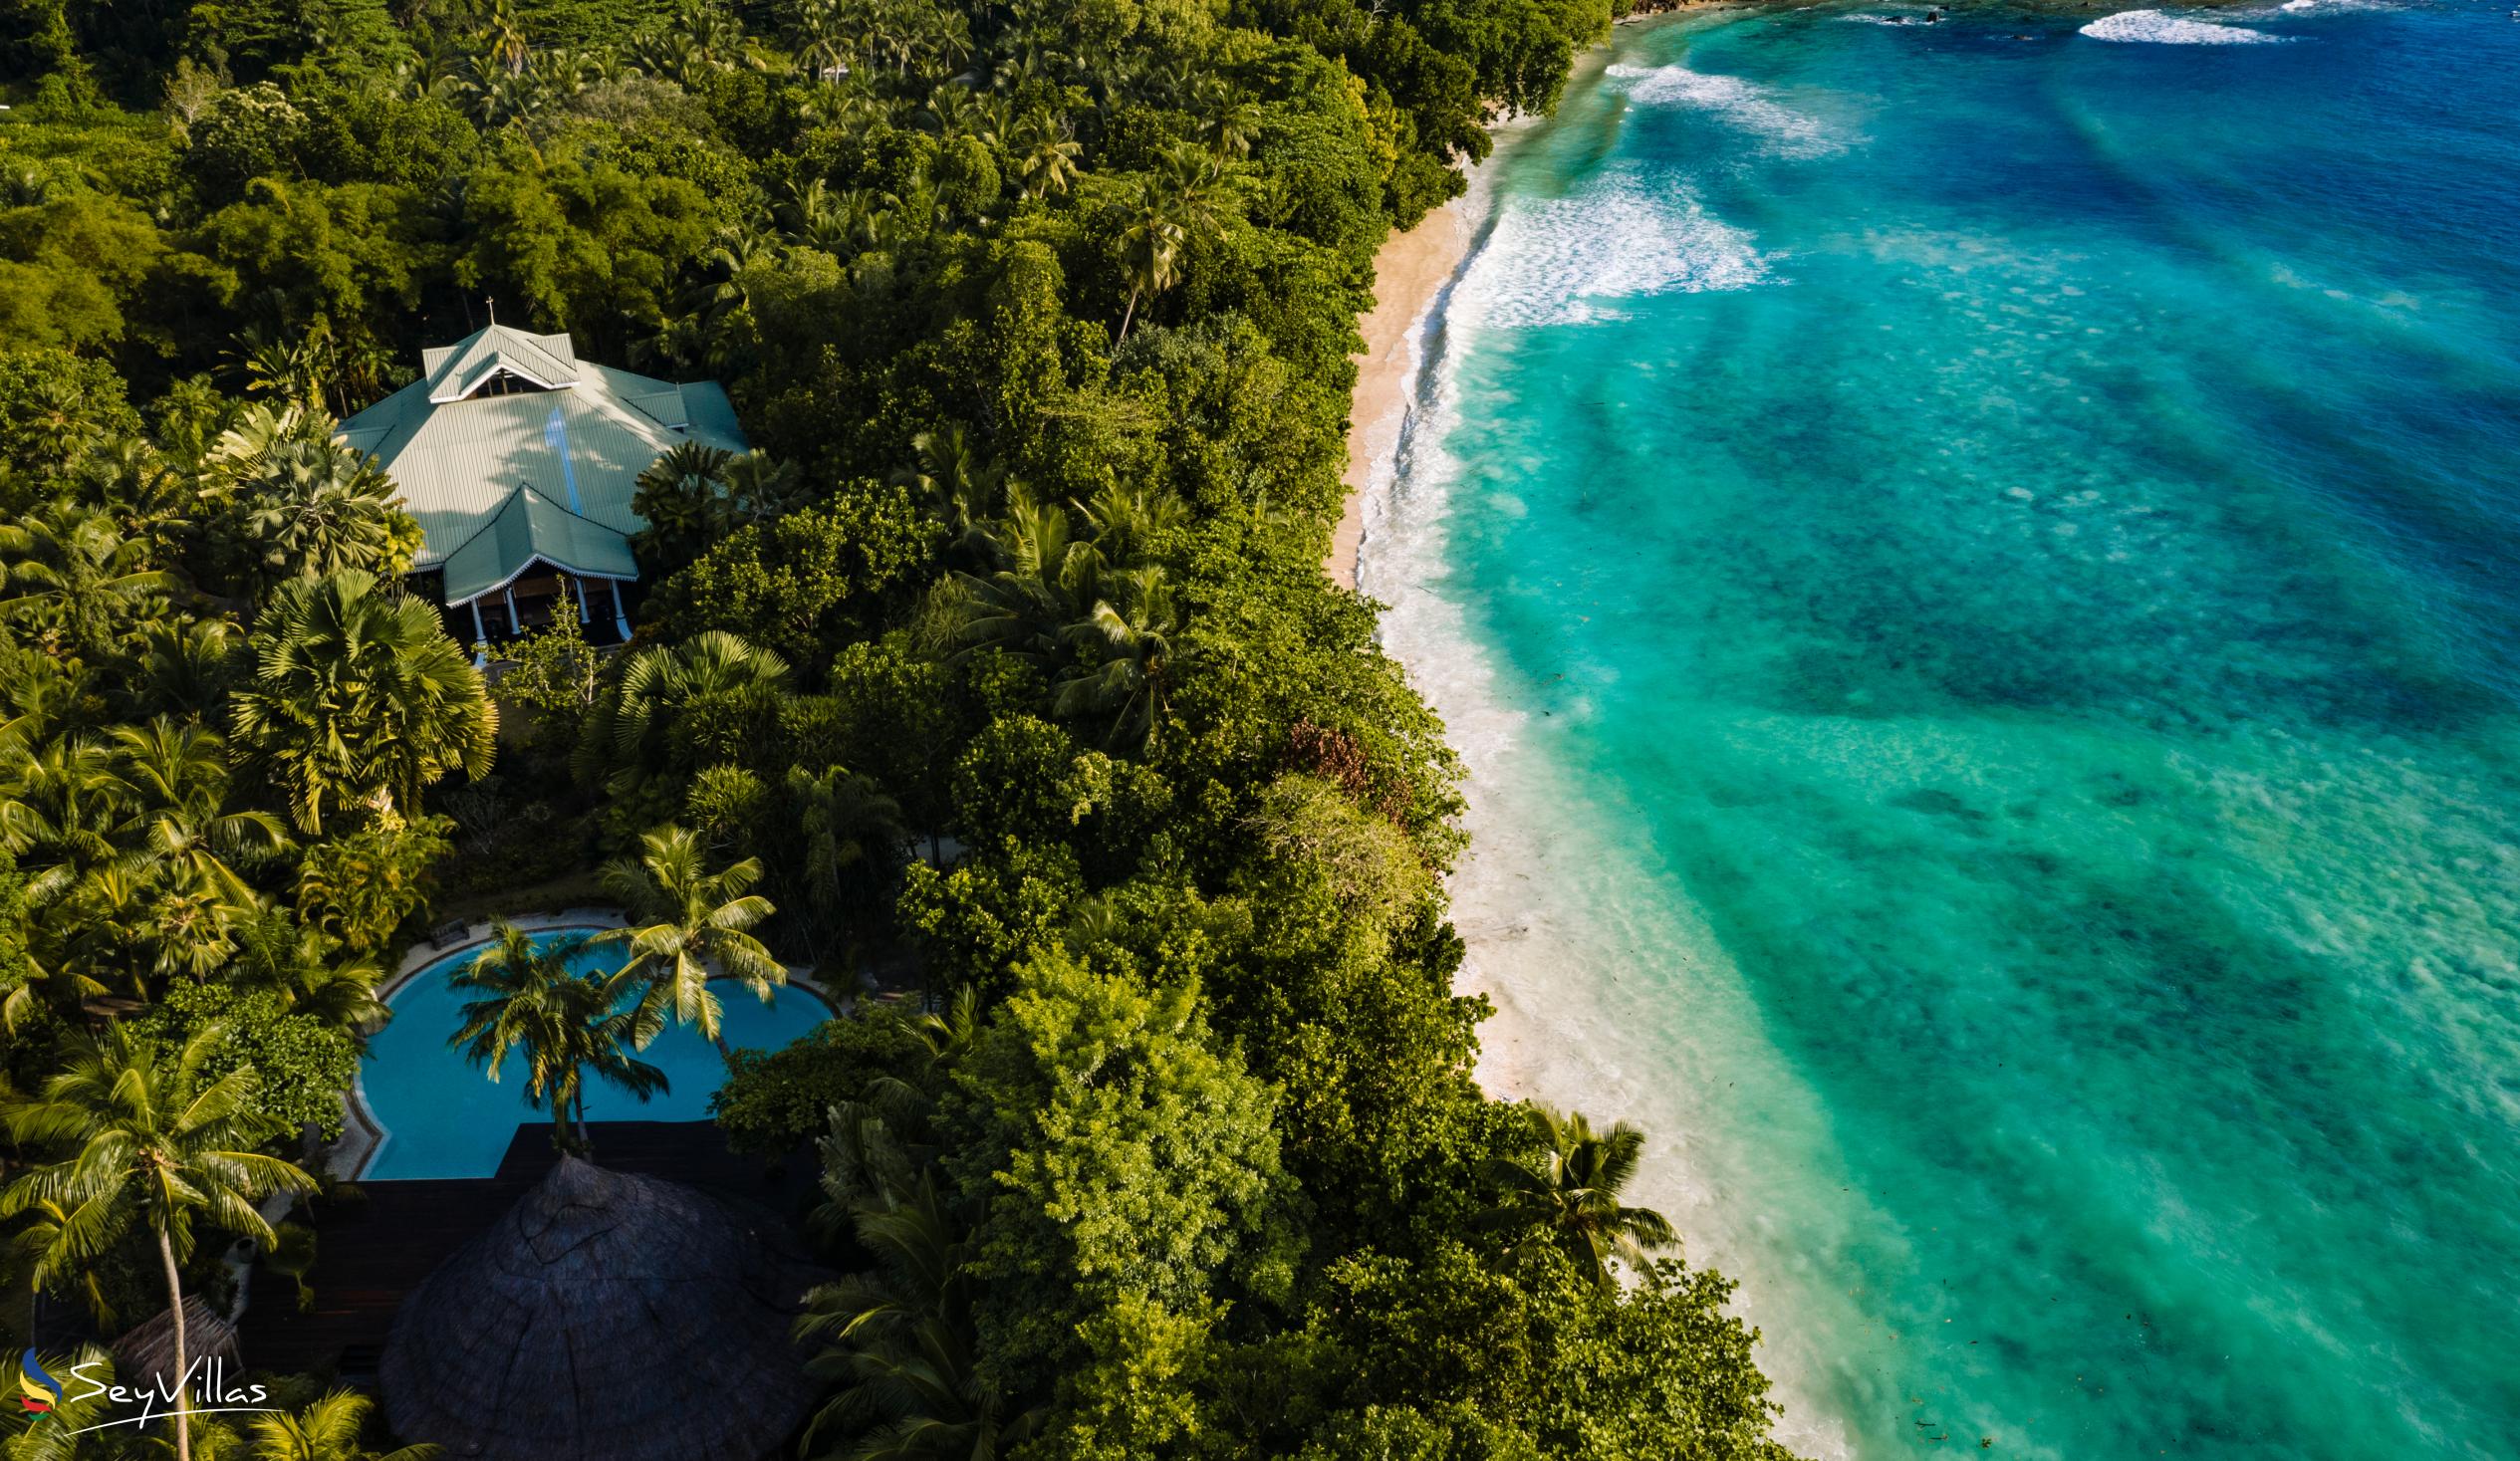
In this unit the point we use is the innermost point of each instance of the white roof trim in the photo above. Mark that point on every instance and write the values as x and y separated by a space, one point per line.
497 368
527 567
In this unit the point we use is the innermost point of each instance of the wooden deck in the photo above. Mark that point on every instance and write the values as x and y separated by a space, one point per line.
374 1248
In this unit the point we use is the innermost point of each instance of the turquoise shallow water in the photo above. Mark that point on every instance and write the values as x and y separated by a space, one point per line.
1976 566
444 1117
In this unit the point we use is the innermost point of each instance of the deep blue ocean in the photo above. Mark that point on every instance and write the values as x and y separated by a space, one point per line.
1977 569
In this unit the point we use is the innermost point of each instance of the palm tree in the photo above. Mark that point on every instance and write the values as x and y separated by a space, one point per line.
277 952
567 1026
618 745
290 370
1233 128
903 1341
39 698
685 918
190 668
822 47
179 848
1048 579
493 97
316 508
721 285
1182 204
682 497
155 1142
61 804
1132 635
847 822
1048 154
1568 1191
1150 250
959 486
1131 522
760 487
138 480
359 698
506 44
175 780
326 1429
260 429
70 571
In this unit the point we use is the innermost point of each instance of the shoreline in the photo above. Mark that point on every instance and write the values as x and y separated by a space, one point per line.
1587 1047
1410 273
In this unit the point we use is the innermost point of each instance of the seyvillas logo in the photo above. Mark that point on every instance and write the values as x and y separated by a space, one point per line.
213 1393
38 1393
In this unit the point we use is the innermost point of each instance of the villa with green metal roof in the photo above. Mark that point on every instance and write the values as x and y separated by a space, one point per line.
520 461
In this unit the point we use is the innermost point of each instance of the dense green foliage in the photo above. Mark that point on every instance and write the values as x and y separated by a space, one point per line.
1004 668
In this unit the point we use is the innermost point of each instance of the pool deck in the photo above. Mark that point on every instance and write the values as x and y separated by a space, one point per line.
362 1135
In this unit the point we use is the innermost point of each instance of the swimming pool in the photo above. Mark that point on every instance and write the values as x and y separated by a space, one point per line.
442 1116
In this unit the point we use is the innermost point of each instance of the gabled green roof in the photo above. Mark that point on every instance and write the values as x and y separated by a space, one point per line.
454 372
577 447
527 527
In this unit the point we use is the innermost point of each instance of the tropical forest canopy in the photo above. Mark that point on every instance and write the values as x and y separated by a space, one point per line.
1003 665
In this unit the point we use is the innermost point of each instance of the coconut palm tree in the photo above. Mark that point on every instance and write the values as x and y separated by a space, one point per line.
822 47
848 823
1047 154
176 781
903 1341
1150 250
61 805
960 487
1182 204
1129 522
358 699
179 848
1048 578
39 697
683 919
140 483
39 1227
565 1025
70 574
327 1428
504 38
127 850
1129 636
153 1142
1568 1190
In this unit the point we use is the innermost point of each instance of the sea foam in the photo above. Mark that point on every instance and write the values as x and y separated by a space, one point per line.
1733 100
1574 1041
1570 261
2160 27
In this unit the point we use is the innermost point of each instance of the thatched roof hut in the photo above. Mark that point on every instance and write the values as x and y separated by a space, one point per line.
149 1349
608 1317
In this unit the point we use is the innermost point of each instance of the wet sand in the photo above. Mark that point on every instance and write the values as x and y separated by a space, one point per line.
1408 275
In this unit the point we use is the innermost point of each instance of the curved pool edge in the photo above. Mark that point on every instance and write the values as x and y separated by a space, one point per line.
364 1137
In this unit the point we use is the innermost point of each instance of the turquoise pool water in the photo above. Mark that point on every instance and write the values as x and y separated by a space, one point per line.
443 1118
1978 567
